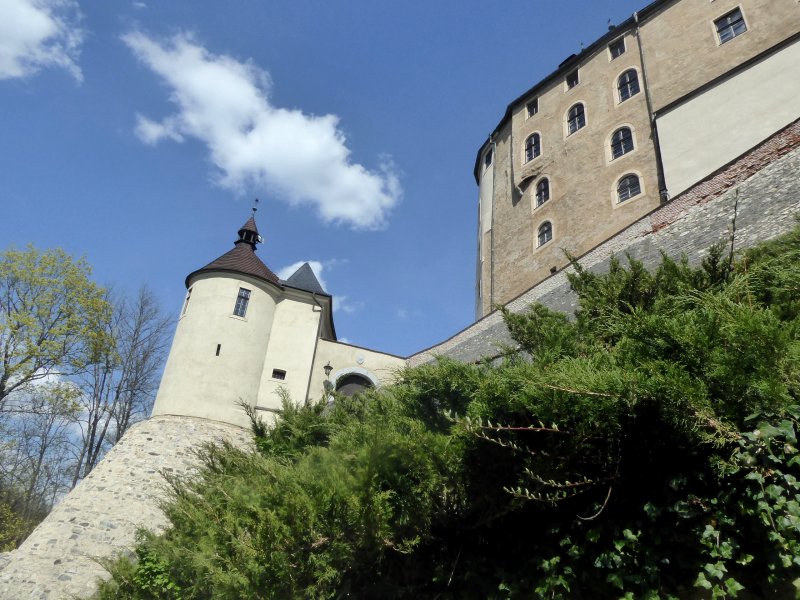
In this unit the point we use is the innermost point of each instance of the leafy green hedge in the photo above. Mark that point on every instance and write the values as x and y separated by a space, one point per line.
645 449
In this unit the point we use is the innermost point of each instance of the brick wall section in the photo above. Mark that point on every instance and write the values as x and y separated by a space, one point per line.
99 518
766 182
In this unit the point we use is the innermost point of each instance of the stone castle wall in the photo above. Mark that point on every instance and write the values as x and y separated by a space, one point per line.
99 518
765 182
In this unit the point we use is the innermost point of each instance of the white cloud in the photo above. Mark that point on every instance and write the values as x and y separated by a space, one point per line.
36 34
224 103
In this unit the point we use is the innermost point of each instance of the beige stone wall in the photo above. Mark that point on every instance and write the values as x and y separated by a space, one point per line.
682 50
583 207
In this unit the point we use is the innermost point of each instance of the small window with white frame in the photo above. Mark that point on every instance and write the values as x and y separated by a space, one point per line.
576 118
628 84
628 187
616 48
533 147
532 107
621 142
572 79
544 233
242 300
542 191
730 25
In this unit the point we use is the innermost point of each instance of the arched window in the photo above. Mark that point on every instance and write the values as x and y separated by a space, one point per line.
621 142
542 191
545 233
352 383
576 118
533 147
628 84
628 187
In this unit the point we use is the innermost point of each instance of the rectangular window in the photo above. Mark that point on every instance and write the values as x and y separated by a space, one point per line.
532 107
186 302
487 158
616 48
572 79
730 25
242 300
279 374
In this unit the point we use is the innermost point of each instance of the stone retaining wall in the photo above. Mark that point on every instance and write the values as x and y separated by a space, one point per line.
99 518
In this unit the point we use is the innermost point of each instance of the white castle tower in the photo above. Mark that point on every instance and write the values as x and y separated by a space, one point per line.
242 334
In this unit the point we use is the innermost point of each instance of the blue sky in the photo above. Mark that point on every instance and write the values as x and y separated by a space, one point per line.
137 134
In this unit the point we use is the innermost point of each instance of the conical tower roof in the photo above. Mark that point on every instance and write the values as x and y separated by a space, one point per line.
242 257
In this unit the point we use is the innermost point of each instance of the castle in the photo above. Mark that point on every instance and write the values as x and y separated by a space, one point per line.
649 109
676 129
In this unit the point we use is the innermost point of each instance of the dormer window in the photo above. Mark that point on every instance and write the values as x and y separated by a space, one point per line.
242 300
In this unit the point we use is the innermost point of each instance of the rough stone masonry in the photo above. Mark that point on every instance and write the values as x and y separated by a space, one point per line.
100 517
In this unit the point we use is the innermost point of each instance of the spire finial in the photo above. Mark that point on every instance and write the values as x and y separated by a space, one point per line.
255 207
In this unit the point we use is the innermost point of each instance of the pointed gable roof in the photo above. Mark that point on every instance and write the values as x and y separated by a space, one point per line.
241 258
305 279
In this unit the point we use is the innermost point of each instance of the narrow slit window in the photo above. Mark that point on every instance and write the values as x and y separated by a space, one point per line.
219 348
242 300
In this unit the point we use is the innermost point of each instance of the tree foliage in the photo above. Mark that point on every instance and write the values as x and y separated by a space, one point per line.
645 449
50 317
78 365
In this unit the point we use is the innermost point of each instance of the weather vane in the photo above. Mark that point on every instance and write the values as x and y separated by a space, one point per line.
255 207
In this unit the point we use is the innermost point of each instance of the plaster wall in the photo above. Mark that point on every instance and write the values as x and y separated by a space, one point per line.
291 349
197 381
345 358
729 118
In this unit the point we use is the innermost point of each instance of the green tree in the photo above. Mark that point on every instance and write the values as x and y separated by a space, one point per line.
50 317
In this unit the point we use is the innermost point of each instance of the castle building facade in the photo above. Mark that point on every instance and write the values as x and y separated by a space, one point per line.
669 96
244 335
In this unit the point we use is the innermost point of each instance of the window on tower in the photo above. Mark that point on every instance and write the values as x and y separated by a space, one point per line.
186 302
242 300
